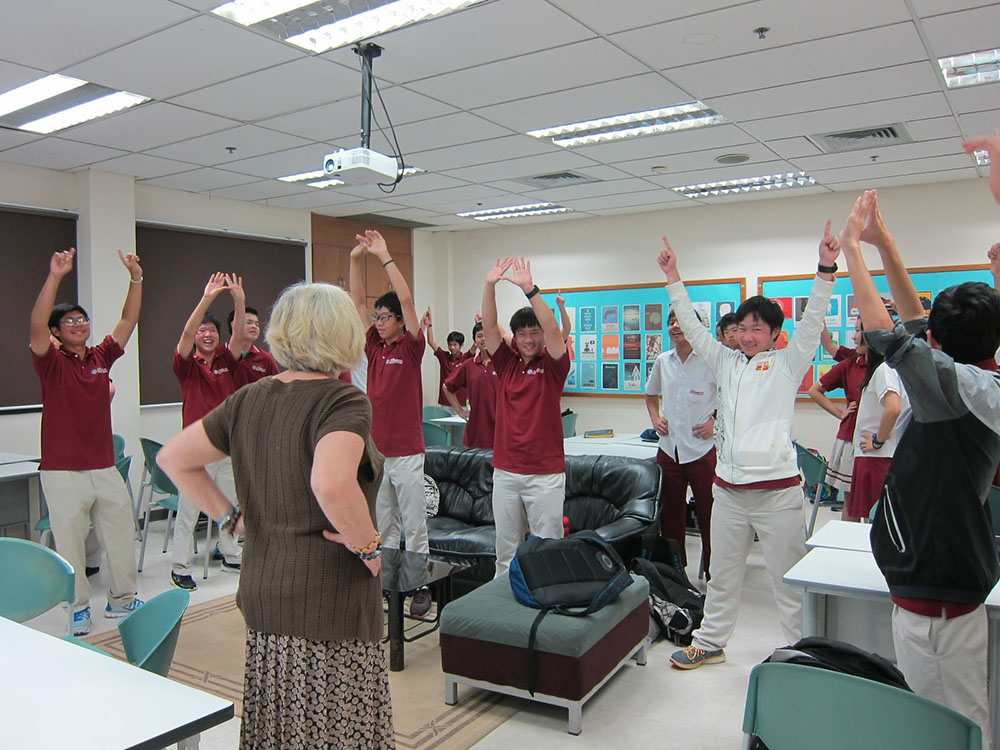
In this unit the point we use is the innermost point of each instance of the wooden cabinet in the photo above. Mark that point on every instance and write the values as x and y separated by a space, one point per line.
332 241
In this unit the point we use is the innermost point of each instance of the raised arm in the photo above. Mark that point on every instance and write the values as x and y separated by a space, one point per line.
555 344
216 283
565 324
378 248
238 340
994 256
354 279
427 323
826 341
874 232
491 328
60 264
991 145
802 346
334 482
133 300
870 306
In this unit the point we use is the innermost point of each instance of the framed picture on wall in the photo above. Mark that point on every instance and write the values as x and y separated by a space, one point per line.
588 375
654 345
610 346
588 320
654 317
630 318
632 346
588 346
609 318
609 376
633 376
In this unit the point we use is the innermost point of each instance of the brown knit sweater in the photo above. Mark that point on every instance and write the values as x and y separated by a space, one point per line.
294 582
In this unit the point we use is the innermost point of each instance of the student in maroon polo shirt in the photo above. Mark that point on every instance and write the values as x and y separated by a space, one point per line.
206 373
529 465
448 361
255 363
394 347
479 378
78 471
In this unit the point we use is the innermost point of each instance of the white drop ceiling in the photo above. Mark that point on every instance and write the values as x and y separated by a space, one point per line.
462 91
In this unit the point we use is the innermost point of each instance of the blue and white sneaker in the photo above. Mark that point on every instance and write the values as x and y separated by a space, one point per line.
81 621
217 553
127 609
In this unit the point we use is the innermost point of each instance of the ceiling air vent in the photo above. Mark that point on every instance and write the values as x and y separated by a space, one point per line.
556 179
859 140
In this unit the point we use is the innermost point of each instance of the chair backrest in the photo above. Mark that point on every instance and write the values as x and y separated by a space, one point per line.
854 712
119 443
569 425
813 467
433 412
123 465
434 435
33 579
149 634
157 477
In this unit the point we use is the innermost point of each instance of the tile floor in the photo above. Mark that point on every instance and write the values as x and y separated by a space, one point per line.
655 705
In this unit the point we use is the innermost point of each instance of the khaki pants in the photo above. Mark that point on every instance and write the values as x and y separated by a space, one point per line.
945 660
776 516
75 498
400 508
523 503
221 473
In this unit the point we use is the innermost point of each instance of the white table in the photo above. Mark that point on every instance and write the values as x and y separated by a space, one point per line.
845 596
59 695
13 458
628 445
20 495
455 426
842 535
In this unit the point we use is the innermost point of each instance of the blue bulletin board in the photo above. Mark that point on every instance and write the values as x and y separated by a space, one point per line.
791 292
619 331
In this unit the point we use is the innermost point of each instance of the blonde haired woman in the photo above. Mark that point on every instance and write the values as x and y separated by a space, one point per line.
307 473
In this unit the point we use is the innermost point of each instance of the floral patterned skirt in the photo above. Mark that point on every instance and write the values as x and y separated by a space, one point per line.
315 694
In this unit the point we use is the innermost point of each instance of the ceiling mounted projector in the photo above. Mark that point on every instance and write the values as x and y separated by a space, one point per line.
360 166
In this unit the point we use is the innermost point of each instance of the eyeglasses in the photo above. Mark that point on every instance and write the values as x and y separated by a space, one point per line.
76 321
204 331
384 318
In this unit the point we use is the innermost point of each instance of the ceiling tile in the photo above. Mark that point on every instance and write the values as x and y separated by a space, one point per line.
688 161
718 174
924 8
683 41
75 31
468 154
477 35
863 50
199 180
57 153
313 199
933 128
965 31
141 166
419 183
580 64
12 76
196 53
854 88
211 150
891 169
978 123
617 200
466 195
608 18
11 138
975 98
284 88
946 175
289 161
526 166
791 148
255 191
592 190
849 118
887 154
148 126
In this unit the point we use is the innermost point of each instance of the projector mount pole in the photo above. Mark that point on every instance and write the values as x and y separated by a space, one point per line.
367 52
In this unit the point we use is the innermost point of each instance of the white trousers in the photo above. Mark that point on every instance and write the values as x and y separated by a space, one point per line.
400 508
75 498
945 660
525 503
221 473
776 517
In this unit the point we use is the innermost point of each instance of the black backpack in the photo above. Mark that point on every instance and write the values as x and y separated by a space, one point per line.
838 656
674 604
575 575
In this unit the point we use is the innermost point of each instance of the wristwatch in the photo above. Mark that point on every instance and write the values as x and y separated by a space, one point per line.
826 269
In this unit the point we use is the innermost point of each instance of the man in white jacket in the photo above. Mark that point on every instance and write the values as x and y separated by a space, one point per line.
757 477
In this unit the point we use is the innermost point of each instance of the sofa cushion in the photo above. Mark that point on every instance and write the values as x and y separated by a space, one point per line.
465 480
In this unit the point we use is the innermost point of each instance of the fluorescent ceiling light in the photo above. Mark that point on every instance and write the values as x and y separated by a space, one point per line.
650 122
746 185
315 174
37 91
971 68
982 158
376 21
91 110
514 212
249 12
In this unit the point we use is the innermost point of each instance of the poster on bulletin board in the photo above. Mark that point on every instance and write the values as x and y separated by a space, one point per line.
792 292
619 331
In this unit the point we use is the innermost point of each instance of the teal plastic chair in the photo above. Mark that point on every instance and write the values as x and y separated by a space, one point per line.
33 580
119 443
813 470
149 634
854 713
994 501
569 424
435 435
124 465
434 412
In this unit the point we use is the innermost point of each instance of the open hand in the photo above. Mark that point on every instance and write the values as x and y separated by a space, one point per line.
497 272
376 244
216 283
875 232
852 407
994 255
374 566
705 430
235 284
857 220
522 275
359 249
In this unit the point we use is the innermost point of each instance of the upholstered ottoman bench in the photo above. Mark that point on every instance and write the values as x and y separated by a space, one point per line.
484 639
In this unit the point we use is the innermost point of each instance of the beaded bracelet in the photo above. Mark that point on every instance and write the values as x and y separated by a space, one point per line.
376 553
374 546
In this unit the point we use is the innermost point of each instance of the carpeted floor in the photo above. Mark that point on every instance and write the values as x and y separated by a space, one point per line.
210 657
